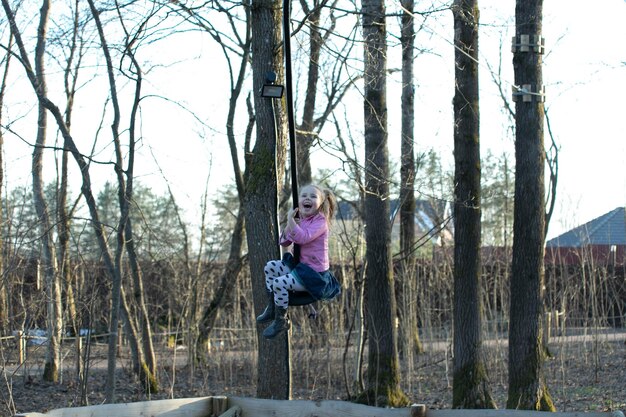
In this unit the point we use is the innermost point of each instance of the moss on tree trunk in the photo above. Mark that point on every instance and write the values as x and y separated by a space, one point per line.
50 372
470 388
532 397
383 395
383 387
148 379
529 391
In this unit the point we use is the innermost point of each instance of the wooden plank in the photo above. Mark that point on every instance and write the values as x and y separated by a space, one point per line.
232 412
254 407
301 408
182 407
520 413
418 410
219 405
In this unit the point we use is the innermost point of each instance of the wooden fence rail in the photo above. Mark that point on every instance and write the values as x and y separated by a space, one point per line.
220 406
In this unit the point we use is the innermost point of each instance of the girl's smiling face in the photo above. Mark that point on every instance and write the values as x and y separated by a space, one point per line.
309 201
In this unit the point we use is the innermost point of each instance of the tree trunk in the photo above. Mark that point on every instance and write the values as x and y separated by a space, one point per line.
65 272
527 388
135 334
148 371
53 291
4 286
264 164
148 361
116 265
383 374
470 388
408 334
63 214
147 358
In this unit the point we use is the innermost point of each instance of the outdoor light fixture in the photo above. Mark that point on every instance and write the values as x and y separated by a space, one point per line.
272 90
269 89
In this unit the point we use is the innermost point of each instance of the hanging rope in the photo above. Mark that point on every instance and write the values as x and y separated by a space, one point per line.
302 298
290 113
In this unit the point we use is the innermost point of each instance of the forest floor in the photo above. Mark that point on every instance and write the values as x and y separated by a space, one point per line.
582 375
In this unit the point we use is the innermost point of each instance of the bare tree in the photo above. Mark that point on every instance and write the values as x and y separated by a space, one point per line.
135 312
113 266
4 284
68 140
527 387
383 374
64 213
53 290
408 335
264 165
306 136
470 373
238 64
321 58
235 262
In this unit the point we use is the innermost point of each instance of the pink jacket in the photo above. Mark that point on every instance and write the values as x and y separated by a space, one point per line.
311 234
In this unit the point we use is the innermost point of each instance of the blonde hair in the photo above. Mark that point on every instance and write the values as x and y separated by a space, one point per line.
329 202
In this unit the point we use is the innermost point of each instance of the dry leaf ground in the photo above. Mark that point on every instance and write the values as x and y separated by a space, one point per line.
582 374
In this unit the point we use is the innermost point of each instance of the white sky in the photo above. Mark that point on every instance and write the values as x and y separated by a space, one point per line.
584 74
586 106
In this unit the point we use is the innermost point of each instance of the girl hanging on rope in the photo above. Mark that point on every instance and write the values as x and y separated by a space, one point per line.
308 227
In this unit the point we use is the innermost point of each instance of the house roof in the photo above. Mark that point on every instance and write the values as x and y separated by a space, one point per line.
430 217
608 229
427 213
